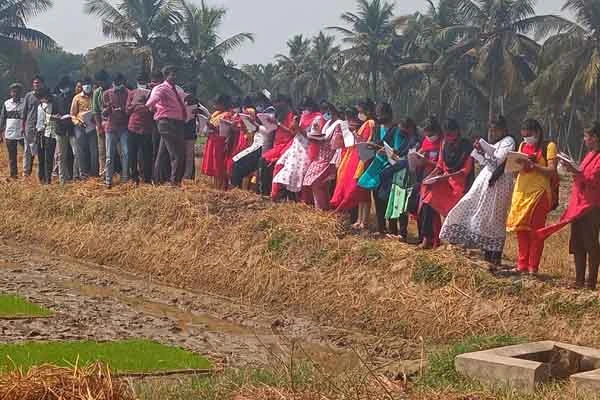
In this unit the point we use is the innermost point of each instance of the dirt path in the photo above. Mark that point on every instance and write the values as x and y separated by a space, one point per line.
101 303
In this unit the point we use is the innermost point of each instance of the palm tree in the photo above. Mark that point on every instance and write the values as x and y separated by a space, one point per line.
291 67
495 33
15 36
370 36
570 60
322 68
204 51
143 25
262 76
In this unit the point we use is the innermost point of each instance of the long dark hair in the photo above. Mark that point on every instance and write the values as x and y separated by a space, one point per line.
531 124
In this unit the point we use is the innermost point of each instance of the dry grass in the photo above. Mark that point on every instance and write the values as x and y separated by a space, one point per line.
290 257
52 383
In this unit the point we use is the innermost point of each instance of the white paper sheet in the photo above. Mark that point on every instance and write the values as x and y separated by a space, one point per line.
225 128
477 156
349 139
251 127
564 158
389 152
486 147
268 121
513 161
202 124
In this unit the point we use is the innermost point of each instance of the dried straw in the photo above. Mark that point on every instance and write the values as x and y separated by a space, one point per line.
48 382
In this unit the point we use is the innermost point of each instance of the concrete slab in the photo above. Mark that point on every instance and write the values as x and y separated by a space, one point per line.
524 367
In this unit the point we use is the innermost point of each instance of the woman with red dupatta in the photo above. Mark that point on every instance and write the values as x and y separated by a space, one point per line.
243 139
283 137
215 149
429 221
583 212
347 194
455 172
292 166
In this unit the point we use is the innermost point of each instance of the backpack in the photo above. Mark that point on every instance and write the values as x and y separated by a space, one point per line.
554 179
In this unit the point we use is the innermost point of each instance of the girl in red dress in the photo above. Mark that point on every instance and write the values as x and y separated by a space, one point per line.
214 160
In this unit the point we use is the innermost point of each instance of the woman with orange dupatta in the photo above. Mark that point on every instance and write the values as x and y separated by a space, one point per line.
214 159
347 194
583 212
451 178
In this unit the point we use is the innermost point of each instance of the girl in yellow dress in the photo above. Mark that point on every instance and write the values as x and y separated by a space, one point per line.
533 197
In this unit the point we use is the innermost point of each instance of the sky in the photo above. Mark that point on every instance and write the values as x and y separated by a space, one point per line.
273 22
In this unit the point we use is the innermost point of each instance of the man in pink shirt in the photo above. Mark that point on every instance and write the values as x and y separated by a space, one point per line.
167 102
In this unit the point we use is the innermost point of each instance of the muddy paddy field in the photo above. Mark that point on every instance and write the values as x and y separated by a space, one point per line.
285 302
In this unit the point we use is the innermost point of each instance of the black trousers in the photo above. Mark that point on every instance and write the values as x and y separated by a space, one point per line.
172 143
245 166
46 159
265 177
140 146
11 146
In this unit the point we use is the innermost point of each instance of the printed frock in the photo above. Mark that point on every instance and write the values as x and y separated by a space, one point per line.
479 219
321 169
295 161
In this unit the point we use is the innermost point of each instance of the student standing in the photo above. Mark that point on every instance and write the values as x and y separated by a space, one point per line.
140 126
583 212
533 197
29 117
214 160
397 181
115 113
348 195
282 139
291 167
46 128
479 218
11 125
102 83
321 172
167 100
85 132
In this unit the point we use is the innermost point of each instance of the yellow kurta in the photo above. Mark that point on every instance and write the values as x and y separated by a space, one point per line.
529 189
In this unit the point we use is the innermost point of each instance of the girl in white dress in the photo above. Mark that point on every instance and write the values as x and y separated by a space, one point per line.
479 219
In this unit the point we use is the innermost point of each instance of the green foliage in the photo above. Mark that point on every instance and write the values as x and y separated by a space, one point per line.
56 63
430 272
441 372
124 356
12 306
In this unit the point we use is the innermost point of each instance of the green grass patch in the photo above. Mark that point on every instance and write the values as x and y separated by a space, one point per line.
12 306
129 356
429 272
440 371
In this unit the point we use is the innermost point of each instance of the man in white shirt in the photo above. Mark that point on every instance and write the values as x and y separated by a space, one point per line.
11 125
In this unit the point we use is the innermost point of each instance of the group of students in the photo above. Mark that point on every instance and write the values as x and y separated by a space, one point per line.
459 191
97 129
343 159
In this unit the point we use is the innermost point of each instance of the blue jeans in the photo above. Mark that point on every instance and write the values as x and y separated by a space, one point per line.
112 139
87 152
